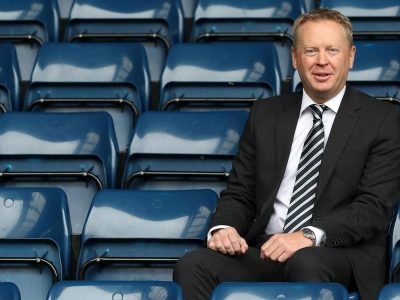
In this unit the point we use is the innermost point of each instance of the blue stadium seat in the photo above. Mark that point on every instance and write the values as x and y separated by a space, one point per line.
219 75
369 18
110 77
156 23
279 290
373 73
9 291
28 24
390 292
394 247
238 20
107 290
73 151
35 239
139 235
183 150
9 78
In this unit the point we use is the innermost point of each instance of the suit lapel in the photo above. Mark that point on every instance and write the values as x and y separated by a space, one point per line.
342 128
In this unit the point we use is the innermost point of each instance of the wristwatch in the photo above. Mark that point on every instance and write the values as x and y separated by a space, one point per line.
309 234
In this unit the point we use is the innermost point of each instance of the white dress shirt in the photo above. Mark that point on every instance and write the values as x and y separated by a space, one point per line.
304 125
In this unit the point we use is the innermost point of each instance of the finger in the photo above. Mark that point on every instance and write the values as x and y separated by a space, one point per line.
243 246
235 242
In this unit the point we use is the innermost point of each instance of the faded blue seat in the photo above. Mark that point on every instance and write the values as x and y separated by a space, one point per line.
156 23
369 18
28 24
74 151
279 290
9 78
238 20
373 73
139 235
106 290
390 292
110 77
394 247
183 150
9 291
219 75
35 239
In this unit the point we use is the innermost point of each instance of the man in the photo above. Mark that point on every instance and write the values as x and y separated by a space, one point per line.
312 189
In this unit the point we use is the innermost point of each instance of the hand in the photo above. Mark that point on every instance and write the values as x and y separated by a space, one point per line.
227 241
280 247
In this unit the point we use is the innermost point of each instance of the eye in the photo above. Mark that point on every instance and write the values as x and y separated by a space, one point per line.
333 51
310 52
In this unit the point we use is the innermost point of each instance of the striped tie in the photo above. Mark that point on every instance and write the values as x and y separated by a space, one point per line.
305 188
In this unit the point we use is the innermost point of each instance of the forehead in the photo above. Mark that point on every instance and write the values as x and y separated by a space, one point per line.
321 31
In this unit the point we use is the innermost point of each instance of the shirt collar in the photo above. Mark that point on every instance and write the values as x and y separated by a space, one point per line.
333 103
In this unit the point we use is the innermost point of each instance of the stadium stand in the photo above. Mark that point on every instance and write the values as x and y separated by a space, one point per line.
183 150
139 235
110 77
279 290
75 151
35 239
106 290
223 76
9 78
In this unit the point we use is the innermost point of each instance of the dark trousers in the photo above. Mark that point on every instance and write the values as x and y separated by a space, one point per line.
200 271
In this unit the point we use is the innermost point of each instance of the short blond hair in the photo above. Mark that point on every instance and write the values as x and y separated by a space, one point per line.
323 14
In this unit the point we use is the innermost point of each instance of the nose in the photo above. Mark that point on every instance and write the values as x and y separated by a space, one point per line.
322 58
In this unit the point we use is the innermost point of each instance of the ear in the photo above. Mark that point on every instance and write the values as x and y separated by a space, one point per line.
352 56
294 58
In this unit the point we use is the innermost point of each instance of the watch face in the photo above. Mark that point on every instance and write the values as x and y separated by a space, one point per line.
309 234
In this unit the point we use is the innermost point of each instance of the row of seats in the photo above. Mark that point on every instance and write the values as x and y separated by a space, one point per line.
78 152
116 77
128 236
158 24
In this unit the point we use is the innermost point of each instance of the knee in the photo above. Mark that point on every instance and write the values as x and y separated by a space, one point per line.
304 266
189 264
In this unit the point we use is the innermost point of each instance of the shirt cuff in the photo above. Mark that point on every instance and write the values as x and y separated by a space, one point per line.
320 236
209 234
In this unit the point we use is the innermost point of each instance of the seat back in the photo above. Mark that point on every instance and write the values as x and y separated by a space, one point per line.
105 290
75 151
35 239
183 150
28 24
390 292
139 235
237 20
156 23
9 291
110 77
9 78
279 290
223 75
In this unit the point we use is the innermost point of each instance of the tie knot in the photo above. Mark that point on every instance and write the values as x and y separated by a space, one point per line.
317 110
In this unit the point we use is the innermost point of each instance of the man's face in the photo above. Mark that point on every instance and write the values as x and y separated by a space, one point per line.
323 58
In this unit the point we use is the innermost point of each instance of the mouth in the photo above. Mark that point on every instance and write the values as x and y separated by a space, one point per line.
321 76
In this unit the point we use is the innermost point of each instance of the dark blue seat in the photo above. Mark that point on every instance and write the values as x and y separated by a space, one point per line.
9 78
110 77
238 20
373 73
390 292
28 24
183 150
139 235
219 75
35 239
156 23
74 151
9 291
279 290
369 18
106 290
